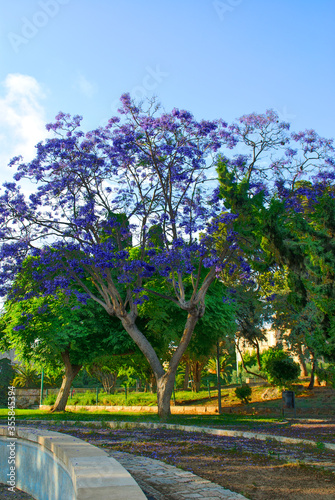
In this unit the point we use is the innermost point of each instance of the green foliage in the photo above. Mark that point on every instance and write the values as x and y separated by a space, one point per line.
327 375
227 362
40 329
165 322
106 369
46 330
250 359
304 242
54 379
280 369
26 376
88 398
244 393
50 399
120 399
293 254
83 379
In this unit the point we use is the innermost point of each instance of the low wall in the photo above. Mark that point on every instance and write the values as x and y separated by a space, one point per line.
54 466
27 397
209 410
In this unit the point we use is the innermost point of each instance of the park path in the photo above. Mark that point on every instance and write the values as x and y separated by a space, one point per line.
161 481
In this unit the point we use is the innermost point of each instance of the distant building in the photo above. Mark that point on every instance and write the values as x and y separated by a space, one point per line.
273 338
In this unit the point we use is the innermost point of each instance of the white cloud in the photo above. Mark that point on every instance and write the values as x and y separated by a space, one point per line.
87 88
22 119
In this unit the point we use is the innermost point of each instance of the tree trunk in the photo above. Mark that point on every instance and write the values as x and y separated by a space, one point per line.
108 381
311 383
243 364
258 356
70 373
164 392
165 379
316 379
152 383
187 376
196 375
302 362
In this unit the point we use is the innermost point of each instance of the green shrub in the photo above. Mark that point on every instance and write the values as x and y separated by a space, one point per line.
50 399
280 369
86 399
327 375
7 374
244 393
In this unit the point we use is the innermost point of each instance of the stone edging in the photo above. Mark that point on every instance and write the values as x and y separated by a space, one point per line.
92 471
189 428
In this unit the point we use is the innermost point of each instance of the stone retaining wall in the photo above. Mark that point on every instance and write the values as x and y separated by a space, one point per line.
27 397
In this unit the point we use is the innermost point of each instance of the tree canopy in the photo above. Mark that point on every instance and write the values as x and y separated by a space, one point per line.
137 199
53 332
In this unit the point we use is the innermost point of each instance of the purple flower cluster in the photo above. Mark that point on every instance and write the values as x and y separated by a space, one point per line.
123 203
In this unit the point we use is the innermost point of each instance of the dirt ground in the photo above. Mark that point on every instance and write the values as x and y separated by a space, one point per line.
319 430
258 470
262 479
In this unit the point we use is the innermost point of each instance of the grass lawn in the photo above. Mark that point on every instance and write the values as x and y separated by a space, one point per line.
84 415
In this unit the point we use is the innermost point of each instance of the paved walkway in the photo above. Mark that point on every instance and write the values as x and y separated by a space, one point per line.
161 481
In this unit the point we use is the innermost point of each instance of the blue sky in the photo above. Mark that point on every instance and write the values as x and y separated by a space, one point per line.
218 59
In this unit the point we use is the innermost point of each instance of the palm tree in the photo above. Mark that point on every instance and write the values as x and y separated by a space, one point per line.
26 376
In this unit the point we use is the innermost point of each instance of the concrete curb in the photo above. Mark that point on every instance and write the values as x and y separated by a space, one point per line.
189 428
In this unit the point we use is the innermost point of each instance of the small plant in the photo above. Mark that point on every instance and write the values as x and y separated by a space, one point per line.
320 445
50 399
26 376
244 393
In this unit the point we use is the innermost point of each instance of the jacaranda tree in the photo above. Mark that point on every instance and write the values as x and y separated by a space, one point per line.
119 205
152 169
